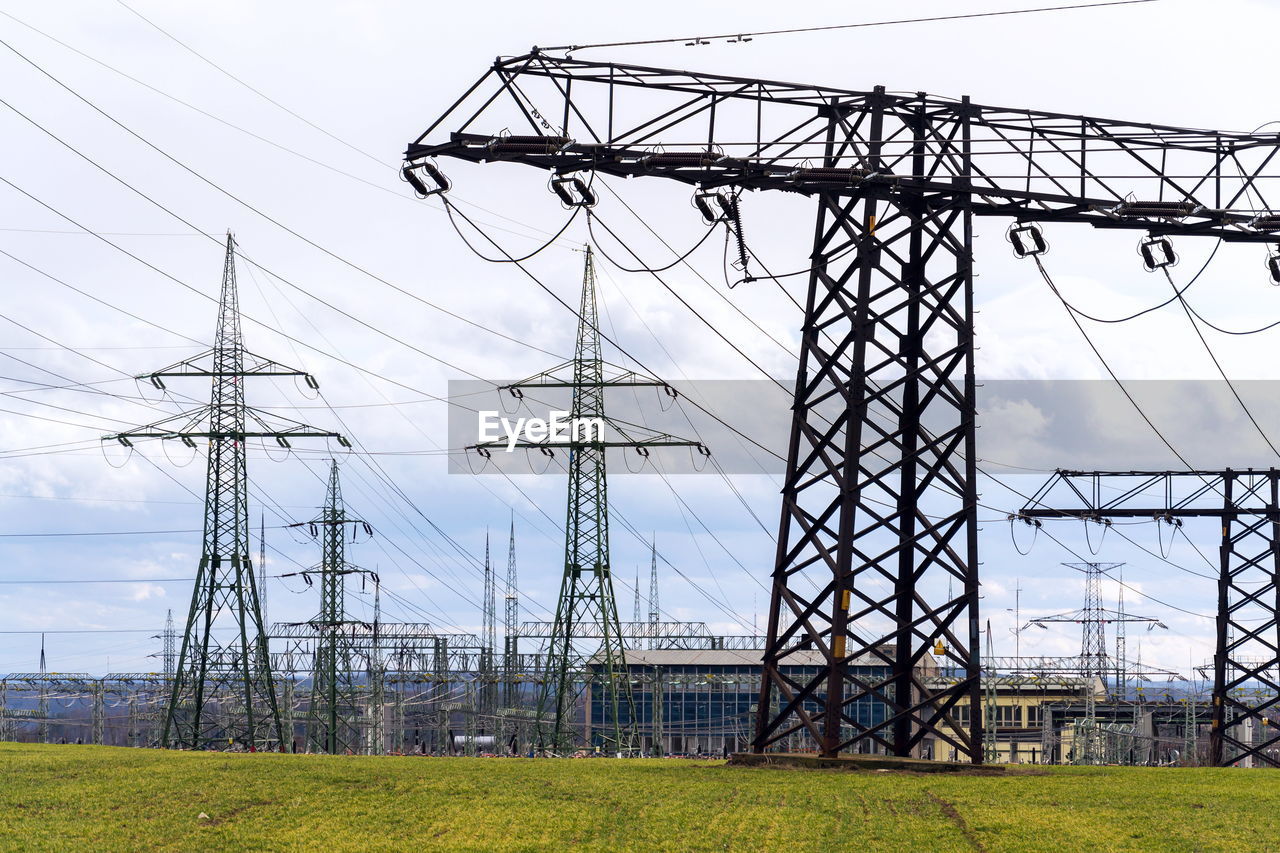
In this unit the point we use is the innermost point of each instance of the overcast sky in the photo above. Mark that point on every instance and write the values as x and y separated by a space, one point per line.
364 79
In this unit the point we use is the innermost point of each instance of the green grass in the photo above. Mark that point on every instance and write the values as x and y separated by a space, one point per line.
103 798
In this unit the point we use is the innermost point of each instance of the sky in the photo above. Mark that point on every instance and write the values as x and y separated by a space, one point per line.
351 278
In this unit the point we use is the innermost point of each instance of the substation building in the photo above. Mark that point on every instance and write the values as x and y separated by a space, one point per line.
703 701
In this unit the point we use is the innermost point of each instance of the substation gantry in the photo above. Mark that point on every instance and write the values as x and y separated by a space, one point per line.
878 518
1246 659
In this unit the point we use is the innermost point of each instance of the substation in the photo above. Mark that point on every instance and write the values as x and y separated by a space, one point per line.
875 642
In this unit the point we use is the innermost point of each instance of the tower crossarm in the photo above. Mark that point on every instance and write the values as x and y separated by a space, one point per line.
254 365
714 130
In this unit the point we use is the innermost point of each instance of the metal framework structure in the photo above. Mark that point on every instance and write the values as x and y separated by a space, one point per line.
489 635
510 622
660 635
335 678
1246 661
655 611
235 670
587 602
878 511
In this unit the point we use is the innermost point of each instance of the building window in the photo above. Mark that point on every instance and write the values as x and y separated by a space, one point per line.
1008 715
1033 716
960 713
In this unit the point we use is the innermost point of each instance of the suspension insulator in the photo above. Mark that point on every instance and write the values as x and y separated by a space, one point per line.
1157 253
573 192
711 205
1273 266
1026 239
425 178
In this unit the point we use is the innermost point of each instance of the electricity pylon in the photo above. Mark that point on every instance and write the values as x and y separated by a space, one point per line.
636 613
333 724
1095 662
262 565
222 692
586 588
511 625
169 649
654 611
489 640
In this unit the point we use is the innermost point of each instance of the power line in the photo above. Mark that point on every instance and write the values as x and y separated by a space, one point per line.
94 533
1214 358
34 581
612 341
319 247
739 37
1123 389
257 92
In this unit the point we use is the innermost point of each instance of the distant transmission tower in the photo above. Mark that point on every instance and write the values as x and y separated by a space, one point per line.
653 593
636 614
1094 662
169 649
222 691
262 566
586 589
333 724
511 625
489 638
43 700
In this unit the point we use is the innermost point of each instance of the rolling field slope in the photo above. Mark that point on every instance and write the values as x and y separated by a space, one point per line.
103 798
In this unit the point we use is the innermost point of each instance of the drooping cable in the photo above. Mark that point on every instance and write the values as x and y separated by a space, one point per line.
1217 364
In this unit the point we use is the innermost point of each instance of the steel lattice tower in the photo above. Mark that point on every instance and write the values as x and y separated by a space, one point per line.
262 565
1095 661
654 610
511 624
586 589
333 723
879 503
169 649
222 692
489 638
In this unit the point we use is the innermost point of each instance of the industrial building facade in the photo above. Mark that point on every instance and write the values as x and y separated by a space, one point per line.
704 701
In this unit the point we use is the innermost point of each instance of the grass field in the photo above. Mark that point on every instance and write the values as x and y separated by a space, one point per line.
104 798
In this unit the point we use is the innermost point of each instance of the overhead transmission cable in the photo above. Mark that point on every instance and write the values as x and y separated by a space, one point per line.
1106 366
693 41
217 187
251 134
606 337
1217 364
